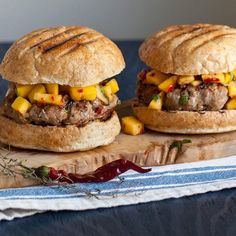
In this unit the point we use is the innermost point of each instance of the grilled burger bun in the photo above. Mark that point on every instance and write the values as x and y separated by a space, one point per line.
191 86
65 55
67 65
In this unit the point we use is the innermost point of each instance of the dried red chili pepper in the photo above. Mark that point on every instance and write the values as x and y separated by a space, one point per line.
102 174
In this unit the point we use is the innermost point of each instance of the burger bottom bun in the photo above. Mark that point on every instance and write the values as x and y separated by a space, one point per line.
187 122
59 139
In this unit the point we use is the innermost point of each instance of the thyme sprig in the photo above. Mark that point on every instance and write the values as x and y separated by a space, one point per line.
13 168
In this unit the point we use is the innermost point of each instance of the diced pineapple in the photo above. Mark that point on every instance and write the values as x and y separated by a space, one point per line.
214 78
64 88
132 126
228 78
21 105
108 92
231 104
52 88
169 84
234 74
185 79
155 77
100 95
48 99
23 90
232 89
156 102
195 83
114 85
39 88
83 93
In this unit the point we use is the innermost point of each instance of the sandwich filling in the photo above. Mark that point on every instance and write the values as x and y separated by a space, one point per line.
212 92
52 104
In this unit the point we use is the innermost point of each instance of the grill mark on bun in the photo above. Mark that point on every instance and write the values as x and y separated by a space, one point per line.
33 36
78 45
184 31
169 30
53 36
210 40
66 40
195 36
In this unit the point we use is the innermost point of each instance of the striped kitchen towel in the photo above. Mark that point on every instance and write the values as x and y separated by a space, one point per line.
163 182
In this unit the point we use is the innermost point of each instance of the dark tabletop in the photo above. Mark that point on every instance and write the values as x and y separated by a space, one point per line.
204 214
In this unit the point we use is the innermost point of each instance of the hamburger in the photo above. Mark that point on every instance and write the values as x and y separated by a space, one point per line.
190 83
62 90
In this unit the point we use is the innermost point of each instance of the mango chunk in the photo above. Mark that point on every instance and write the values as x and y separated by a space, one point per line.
49 99
228 78
155 77
39 88
131 125
233 74
169 84
195 83
100 95
21 105
185 79
231 104
52 88
114 85
23 90
156 102
108 92
86 93
214 78
232 89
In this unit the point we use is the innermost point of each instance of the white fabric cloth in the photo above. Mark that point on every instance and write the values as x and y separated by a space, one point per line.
163 182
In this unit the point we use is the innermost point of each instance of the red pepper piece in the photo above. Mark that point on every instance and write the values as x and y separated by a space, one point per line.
212 80
171 88
142 75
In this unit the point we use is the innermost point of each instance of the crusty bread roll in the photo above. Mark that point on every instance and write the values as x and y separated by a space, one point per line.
191 49
75 56
59 139
187 122
65 55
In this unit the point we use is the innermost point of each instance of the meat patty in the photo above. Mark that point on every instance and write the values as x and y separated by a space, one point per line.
146 91
72 113
210 97
80 113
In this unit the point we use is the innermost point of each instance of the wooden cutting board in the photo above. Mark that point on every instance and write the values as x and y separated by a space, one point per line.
149 149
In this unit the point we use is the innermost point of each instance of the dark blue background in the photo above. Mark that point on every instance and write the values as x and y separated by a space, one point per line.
205 214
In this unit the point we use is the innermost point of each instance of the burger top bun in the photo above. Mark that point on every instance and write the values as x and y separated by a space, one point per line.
191 49
66 55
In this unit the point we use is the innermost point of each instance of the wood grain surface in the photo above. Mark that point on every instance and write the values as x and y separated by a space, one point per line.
149 149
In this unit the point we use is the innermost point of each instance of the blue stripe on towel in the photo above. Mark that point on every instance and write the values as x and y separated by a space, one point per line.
153 180
195 169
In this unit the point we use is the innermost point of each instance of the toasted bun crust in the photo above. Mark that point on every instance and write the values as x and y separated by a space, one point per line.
191 49
66 55
59 139
187 122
